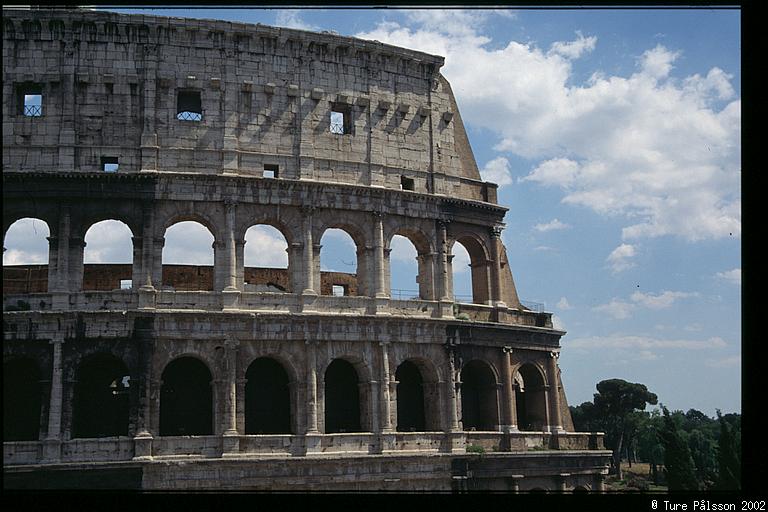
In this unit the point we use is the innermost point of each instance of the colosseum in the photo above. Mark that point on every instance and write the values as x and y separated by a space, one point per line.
148 375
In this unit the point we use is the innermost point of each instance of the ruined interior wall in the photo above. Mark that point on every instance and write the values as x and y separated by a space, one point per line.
508 289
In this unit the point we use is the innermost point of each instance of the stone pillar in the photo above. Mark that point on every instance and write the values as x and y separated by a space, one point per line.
509 420
444 291
157 261
426 277
149 144
562 482
599 482
556 423
137 265
386 424
311 387
230 437
53 263
231 292
378 255
60 289
514 483
309 260
52 442
76 253
373 405
453 389
142 441
496 267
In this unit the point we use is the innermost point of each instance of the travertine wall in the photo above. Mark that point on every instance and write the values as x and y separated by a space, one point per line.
110 85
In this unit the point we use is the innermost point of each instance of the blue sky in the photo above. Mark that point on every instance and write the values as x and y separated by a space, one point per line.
615 137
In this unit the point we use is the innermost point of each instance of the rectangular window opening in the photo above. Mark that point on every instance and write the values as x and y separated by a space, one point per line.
109 163
31 100
189 106
126 284
270 171
341 119
338 290
406 183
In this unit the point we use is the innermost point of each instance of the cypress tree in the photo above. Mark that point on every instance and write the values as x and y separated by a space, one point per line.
681 473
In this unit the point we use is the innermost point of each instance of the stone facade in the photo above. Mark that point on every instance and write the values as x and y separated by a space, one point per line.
198 377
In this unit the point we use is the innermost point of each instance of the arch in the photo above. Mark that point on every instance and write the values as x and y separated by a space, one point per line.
266 247
22 400
102 397
188 256
26 247
479 397
406 274
530 400
342 398
478 255
340 263
186 398
108 241
267 398
411 414
580 489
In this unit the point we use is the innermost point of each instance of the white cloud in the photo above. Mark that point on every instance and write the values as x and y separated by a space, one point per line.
645 343
108 241
619 258
265 246
660 301
460 263
725 362
291 18
563 304
557 323
25 243
554 224
497 171
731 276
617 308
621 309
660 151
188 243
402 250
574 49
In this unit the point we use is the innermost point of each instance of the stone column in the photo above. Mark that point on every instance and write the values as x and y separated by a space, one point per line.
556 423
142 441
230 293
386 424
453 389
309 263
599 482
60 281
509 420
426 276
562 481
53 263
149 144
231 437
157 261
443 284
76 253
52 442
311 387
496 299
378 255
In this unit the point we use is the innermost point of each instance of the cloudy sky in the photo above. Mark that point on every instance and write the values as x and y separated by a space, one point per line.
614 136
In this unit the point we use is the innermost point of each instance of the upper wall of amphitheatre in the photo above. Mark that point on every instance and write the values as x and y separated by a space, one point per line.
113 87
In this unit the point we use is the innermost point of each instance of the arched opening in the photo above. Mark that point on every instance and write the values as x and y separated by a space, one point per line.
108 256
188 257
529 398
102 401
410 398
186 399
338 264
479 405
403 269
267 398
21 400
470 271
265 260
580 489
342 398
25 256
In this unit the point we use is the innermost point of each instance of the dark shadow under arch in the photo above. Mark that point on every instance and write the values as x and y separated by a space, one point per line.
342 398
102 398
529 398
186 399
410 398
267 398
22 399
479 409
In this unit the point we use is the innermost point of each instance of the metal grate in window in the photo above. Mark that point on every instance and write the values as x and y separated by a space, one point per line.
189 116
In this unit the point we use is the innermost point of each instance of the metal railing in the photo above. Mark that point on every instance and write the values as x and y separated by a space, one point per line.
401 294
33 110
189 116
